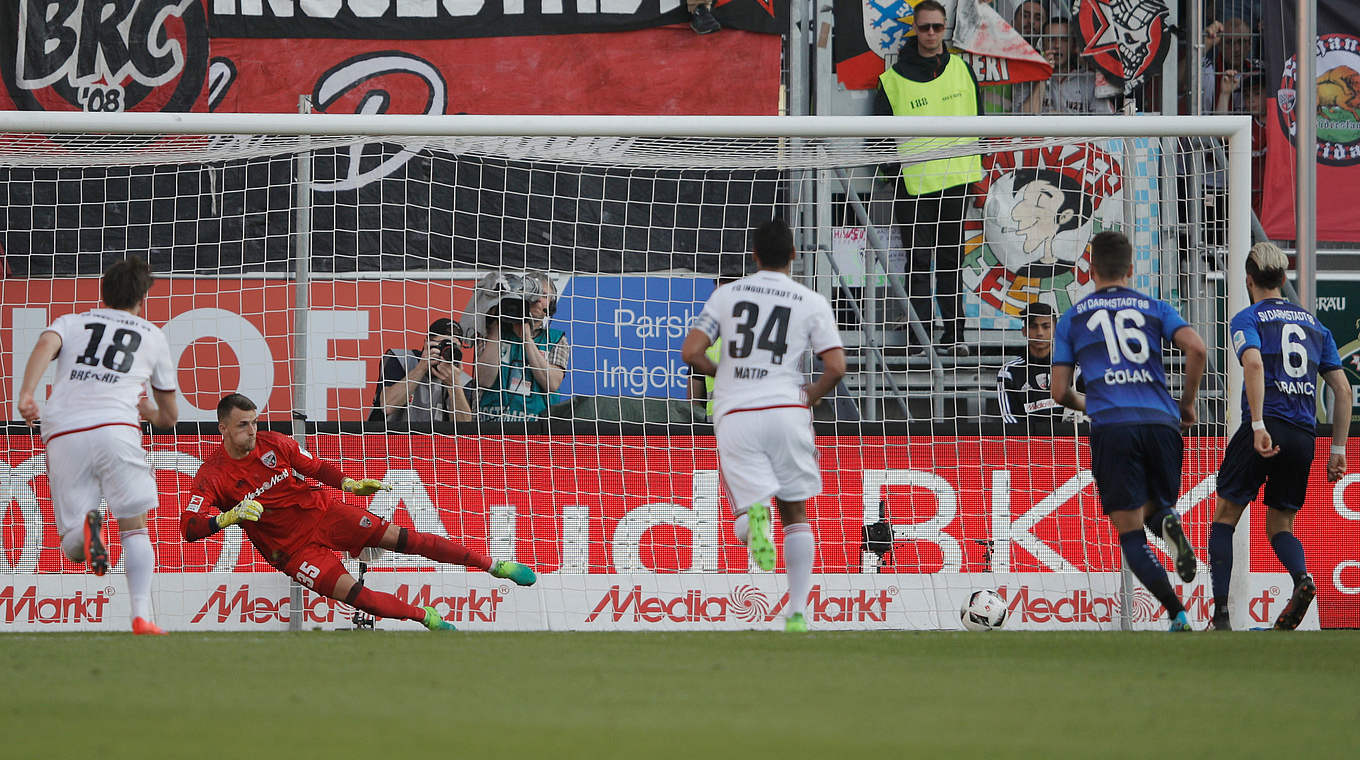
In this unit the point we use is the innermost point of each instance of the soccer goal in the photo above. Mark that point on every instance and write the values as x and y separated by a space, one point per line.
302 259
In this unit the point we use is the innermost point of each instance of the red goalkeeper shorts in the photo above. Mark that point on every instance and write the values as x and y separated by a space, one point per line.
341 527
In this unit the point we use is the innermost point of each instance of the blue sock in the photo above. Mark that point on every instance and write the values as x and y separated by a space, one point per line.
1154 520
1138 555
1290 552
1221 561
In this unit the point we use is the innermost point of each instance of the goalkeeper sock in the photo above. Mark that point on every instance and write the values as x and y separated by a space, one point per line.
383 605
1139 557
1290 552
1221 561
441 549
800 548
139 560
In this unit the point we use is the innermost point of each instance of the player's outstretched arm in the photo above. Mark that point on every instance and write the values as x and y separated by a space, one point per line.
833 369
49 343
364 487
194 526
1062 390
1189 342
1341 412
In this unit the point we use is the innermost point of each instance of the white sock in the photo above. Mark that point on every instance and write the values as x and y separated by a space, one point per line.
73 545
139 560
741 528
800 548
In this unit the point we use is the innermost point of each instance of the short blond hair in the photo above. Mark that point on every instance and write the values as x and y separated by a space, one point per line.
1266 265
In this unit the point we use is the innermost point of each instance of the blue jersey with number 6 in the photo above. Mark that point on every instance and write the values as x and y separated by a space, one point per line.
1116 336
1294 347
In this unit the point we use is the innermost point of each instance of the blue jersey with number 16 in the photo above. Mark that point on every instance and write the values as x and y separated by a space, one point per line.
1116 335
1294 348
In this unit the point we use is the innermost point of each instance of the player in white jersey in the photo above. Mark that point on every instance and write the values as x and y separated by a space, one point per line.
762 409
91 430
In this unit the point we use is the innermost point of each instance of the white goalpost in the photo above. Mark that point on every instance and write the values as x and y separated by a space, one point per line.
301 257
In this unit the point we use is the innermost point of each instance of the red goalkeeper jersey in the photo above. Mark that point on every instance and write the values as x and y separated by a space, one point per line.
275 474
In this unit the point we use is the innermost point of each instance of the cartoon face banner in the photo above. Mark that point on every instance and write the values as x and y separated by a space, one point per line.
1337 85
1127 39
1028 234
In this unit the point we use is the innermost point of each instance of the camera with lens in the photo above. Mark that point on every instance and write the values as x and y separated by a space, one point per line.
505 298
450 351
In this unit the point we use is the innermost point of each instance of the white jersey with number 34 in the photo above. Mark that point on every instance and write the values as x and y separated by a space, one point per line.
767 323
106 357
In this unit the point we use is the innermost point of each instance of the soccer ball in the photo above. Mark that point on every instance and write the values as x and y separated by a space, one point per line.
983 611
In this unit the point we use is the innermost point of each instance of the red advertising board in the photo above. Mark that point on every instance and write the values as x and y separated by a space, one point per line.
608 504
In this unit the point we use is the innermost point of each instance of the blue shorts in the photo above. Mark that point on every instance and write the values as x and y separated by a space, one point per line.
1285 475
1136 464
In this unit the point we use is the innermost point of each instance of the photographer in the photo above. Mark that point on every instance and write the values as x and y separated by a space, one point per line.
521 362
424 385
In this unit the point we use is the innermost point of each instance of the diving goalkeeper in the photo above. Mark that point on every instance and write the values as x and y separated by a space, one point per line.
258 480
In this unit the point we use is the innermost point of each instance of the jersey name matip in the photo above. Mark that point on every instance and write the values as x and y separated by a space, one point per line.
767 322
1116 336
1294 348
107 356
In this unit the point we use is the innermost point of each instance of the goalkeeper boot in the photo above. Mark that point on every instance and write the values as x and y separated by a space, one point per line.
435 622
95 554
795 623
520 574
144 627
1293 613
1180 623
1181 551
758 536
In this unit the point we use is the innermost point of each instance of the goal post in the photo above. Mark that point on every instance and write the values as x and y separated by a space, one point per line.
609 485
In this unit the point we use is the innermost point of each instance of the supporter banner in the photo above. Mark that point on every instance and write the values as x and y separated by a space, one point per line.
633 602
251 56
1126 40
869 34
1338 120
1027 233
582 505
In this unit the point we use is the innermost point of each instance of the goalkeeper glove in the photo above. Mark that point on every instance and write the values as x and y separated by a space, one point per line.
365 487
246 510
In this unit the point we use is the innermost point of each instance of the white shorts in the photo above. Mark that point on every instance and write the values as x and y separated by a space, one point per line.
105 461
770 452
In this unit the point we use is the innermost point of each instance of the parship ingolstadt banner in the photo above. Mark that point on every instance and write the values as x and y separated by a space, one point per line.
1337 87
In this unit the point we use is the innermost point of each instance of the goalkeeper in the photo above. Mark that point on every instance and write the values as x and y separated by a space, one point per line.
257 480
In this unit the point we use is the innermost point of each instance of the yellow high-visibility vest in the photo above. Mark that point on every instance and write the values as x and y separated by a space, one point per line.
952 93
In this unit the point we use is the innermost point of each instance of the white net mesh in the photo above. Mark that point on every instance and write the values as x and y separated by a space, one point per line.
307 272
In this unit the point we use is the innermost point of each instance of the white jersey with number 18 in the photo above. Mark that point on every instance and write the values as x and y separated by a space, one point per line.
106 357
767 323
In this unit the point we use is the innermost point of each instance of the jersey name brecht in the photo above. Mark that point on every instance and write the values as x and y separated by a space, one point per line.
766 322
106 358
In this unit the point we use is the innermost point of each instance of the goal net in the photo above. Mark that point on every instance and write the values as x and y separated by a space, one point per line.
304 261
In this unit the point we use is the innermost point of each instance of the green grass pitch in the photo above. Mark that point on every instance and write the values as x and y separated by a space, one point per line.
699 696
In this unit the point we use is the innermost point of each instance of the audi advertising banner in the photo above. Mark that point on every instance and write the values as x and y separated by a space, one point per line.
631 532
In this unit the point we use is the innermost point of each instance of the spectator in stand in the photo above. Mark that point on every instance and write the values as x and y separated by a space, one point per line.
1254 100
424 385
1070 89
931 196
1227 56
701 18
521 362
1030 18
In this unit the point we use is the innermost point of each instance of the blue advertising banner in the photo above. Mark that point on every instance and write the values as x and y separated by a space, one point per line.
625 333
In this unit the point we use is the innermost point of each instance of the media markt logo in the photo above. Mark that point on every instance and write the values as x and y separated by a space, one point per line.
1338 99
93 55
744 603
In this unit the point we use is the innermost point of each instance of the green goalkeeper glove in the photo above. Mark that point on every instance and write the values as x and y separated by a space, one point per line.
365 487
246 510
